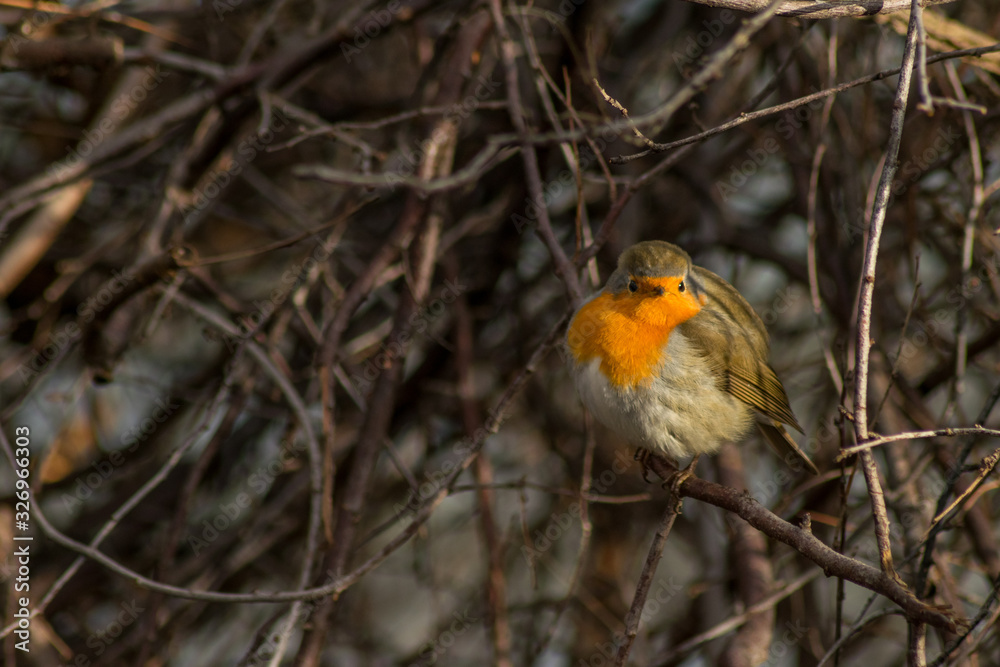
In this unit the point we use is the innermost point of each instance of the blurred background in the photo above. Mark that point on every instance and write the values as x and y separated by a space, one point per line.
283 302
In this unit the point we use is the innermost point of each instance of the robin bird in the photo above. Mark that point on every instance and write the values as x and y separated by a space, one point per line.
670 356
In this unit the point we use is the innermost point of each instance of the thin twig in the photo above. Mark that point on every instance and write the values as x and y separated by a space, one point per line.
615 104
586 529
564 269
298 405
984 611
754 574
971 219
730 624
148 487
926 103
338 585
496 584
893 372
832 563
816 9
788 106
488 158
855 629
986 466
915 435
642 587
864 341
713 69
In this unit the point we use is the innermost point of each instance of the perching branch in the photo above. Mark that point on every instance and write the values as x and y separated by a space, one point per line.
817 9
832 563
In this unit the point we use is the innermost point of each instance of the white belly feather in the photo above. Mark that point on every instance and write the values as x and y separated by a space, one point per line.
681 412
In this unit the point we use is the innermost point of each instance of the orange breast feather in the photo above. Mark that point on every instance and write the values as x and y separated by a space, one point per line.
618 331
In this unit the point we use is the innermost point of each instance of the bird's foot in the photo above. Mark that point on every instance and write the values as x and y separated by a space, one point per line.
681 476
642 455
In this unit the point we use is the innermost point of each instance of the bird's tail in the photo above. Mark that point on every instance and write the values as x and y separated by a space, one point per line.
786 448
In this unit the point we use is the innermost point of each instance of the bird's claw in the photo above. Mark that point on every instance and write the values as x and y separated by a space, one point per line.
678 478
642 456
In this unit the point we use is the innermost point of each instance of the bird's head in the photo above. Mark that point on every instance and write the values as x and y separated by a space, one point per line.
653 281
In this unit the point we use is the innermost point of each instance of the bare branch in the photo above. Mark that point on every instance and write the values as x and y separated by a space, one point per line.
814 9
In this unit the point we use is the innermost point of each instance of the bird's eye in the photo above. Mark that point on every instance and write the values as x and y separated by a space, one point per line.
633 286
680 288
